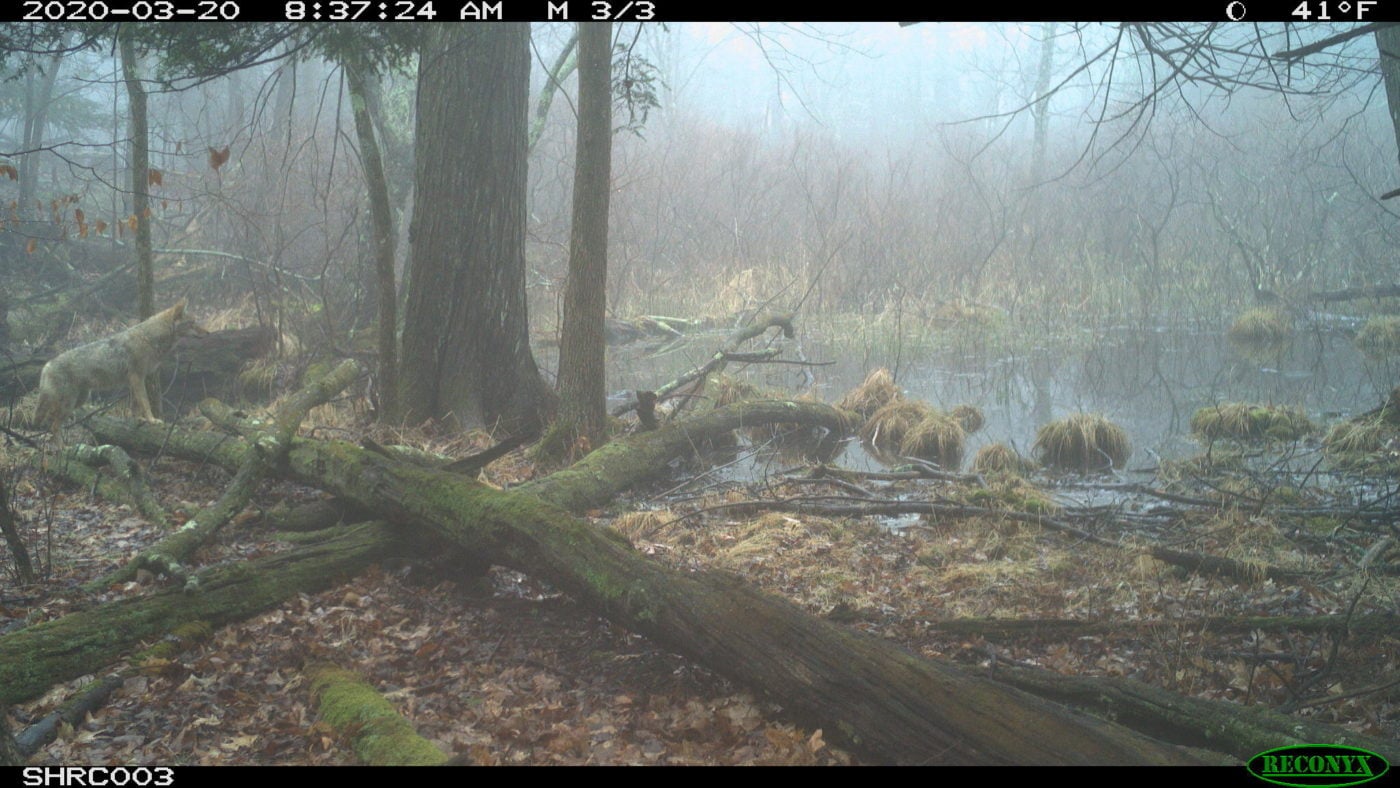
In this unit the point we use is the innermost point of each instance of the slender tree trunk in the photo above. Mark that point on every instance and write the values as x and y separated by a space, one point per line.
140 177
380 211
38 95
1388 46
563 66
1041 109
582 383
466 351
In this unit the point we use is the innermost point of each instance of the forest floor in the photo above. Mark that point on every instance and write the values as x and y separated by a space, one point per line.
504 670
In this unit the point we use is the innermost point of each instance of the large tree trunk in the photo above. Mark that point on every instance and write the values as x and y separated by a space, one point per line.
582 378
466 351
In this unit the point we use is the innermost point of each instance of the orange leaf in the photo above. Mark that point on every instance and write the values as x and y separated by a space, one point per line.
164 205
29 247
82 230
78 214
154 177
9 169
100 226
146 213
131 222
217 158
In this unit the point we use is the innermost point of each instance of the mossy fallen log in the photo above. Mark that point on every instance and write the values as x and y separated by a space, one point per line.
866 692
1219 725
377 733
34 658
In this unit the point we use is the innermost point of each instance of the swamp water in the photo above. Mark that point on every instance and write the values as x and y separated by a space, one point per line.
1147 381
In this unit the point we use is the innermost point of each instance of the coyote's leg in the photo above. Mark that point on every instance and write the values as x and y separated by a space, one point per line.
137 381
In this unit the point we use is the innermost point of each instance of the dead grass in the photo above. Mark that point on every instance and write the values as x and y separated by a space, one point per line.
1262 325
998 458
937 437
1082 442
885 429
1246 421
1380 336
875 392
969 417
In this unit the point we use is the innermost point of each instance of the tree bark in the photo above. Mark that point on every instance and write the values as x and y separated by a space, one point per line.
379 735
886 703
38 96
466 352
868 693
582 350
373 165
1388 48
32 659
140 179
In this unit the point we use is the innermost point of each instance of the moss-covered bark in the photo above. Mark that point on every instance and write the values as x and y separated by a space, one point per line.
863 690
376 731
33 659
1218 725
600 476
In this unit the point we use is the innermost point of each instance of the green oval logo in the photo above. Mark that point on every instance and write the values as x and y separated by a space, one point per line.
1317 766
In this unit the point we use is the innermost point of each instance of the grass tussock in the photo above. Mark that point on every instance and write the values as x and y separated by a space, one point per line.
1262 325
969 417
998 458
1380 336
1082 442
1245 421
885 429
1363 436
725 390
875 392
938 438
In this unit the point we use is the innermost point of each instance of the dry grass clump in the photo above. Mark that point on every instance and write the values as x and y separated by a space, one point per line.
937 437
1390 411
1262 325
1369 441
998 458
969 417
1246 421
727 391
877 391
1380 336
1082 442
886 428
1361 436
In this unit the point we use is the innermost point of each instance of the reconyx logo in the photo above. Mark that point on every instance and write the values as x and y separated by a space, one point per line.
1318 766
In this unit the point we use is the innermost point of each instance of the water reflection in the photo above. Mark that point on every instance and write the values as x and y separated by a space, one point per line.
1149 382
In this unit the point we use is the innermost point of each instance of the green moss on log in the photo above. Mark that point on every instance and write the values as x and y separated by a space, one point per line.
375 729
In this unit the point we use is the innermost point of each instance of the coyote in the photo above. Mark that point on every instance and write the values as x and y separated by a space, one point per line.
126 357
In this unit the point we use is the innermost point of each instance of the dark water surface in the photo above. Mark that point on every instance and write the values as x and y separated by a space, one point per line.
1149 382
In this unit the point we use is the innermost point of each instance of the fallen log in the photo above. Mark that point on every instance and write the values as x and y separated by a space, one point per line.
866 692
34 658
1220 725
1354 293
881 700
377 732
264 453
